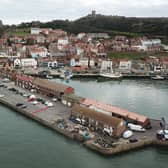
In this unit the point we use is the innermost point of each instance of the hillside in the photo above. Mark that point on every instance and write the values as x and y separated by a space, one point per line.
113 25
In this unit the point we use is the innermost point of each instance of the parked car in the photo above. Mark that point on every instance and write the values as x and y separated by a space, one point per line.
19 104
5 80
133 140
162 134
5 86
54 99
1 96
35 102
50 104
12 89
25 95
1 85
127 134
23 106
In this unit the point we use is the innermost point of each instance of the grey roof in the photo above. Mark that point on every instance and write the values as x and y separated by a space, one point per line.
58 54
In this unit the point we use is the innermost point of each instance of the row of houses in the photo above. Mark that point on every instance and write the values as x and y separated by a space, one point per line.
148 65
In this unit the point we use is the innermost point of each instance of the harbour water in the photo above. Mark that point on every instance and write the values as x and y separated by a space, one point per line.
23 143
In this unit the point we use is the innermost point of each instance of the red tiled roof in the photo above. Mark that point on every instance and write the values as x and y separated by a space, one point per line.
24 78
116 110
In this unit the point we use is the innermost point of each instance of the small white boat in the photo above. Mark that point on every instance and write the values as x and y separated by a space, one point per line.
157 77
111 75
49 77
66 75
135 127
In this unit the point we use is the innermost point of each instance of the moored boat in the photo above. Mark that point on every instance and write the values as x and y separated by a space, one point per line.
49 77
66 75
111 75
157 77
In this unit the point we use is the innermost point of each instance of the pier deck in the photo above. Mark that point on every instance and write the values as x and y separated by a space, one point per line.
49 115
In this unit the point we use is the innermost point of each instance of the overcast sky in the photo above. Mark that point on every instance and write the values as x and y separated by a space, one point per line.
17 11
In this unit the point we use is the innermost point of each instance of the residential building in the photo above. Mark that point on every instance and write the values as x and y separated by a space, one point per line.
35 31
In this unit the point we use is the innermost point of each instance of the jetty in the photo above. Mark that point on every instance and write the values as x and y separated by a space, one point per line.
81 119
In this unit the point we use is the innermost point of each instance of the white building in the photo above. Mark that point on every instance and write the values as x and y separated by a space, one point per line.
53 64
85 62
165 47
35 30
80 51
26 62
125 66
148 45
62 41
151 42
106 65
81 35
17 63
72 62
39 52
158 68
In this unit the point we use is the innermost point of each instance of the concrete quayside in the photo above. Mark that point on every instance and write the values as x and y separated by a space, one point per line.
59 118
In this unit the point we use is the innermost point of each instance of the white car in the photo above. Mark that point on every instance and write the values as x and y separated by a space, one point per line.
50 104
127 134
35 102
6 80
54 99
32 97
25 95
1 96
164 133
46 103
33 90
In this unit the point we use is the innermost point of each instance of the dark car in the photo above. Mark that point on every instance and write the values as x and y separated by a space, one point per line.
17 92
5 86
23 106
133 140
19 104
1 85
39 99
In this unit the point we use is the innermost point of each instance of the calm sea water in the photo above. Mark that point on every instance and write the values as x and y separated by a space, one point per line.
25 144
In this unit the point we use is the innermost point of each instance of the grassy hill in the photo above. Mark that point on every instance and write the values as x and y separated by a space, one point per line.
114 25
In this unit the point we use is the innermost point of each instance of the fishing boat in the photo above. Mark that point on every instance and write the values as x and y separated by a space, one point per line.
111 75
157 77
66 75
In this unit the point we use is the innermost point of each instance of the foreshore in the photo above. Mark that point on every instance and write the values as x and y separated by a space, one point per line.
51 116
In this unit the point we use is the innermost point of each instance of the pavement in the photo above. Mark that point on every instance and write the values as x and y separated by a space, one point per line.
149 134
49 114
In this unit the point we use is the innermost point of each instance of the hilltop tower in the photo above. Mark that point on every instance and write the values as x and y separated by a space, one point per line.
93 13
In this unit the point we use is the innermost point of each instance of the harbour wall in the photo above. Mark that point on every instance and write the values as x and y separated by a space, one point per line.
116 149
